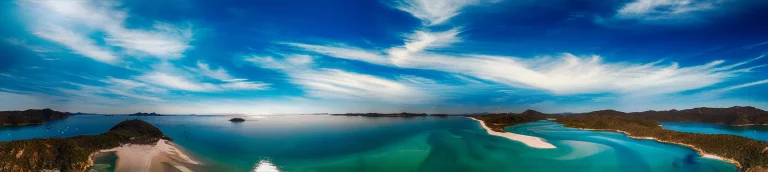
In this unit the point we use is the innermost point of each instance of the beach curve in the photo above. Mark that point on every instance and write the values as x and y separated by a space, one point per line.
530 141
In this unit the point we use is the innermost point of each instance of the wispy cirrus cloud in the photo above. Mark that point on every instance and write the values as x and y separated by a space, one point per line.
658 10
570 74
78 43
564 74
434 12
73 24
339 84
187 79
176 82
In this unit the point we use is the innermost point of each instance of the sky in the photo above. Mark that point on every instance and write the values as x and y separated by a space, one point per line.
339 56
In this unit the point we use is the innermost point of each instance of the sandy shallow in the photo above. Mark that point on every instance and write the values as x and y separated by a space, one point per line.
163 156
531 141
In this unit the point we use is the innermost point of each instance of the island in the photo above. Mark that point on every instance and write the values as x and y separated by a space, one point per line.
237 120
145 114
30 117
440 115
134 141
403 114
747 154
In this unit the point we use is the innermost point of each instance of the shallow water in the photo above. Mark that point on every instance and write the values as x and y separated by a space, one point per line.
104 162
757 132
342 143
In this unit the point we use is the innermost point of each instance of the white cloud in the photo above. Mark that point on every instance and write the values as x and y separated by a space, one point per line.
432 12
423 40
742 86
245 85
72 22
78 43
663 9
206 70
122 88
165 41
345 52
193 79
339 84
570 74
176 82
563 75
222 75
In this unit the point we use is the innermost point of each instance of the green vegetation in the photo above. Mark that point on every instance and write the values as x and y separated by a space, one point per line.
72 154
30 117
751 154
737 115
237 120
497 122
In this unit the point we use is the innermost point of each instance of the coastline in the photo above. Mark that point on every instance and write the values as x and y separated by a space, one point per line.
157 157
531 141
702 153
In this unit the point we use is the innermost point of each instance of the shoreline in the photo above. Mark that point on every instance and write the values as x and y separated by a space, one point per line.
702 153
157 157
530 141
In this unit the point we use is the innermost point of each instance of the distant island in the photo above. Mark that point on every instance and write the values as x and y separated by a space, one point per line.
440 115
403 114
145 114
748 154
30 117
75 153
237 120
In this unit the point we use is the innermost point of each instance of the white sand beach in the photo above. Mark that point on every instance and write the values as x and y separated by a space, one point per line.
531 141
710 156
150 157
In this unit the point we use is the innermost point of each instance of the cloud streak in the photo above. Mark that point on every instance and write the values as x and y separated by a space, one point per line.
565 74
433 12
338 84
654 10
73 24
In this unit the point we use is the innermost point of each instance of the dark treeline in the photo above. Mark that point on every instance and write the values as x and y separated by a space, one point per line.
31 116
72 154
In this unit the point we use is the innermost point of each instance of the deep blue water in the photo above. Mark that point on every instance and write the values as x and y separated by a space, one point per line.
341 143
757 132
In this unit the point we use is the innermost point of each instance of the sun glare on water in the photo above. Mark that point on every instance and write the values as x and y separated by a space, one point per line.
265 166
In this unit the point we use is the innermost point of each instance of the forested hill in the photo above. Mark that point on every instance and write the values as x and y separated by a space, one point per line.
737 115
73 154
498 121
31 116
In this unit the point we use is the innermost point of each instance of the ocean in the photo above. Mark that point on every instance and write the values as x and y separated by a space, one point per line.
321 143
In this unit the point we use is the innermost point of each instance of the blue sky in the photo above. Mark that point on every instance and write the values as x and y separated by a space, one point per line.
451 56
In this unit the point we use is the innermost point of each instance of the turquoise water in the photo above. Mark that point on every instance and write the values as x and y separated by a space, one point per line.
342 143
104 162
757 132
